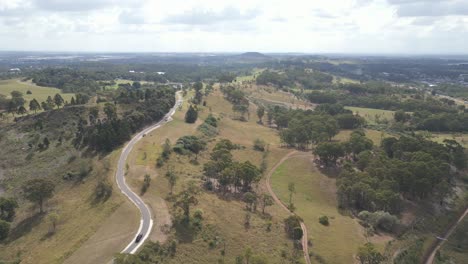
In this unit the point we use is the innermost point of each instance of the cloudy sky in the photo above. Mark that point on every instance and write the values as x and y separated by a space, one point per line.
312 26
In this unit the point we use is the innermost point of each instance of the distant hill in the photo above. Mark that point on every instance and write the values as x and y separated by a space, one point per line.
253 55
250 57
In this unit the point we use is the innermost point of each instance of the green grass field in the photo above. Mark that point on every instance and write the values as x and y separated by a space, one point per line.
440 137
372 115
38 92
250 77
375 135
122 81
315 196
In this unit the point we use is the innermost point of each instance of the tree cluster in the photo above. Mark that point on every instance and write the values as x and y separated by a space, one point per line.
229 175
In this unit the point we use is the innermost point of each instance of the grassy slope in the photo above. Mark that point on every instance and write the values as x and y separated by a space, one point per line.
315 196
38 92
370 113
225 217
79 216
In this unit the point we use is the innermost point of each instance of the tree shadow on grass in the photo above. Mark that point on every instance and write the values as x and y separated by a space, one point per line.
25 226
185 232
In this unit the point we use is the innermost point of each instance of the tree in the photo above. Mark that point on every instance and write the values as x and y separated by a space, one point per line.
17 99
72 101
186 199
401 116
53 219
58 100
11 108
292 190
50 103
21 110
136 85
34 105
250 199
46 142
191 115
167 149
7 208
38 191
266 200
249 174
146 183
172 179
4 229
367 254
329 152
260 113
111 111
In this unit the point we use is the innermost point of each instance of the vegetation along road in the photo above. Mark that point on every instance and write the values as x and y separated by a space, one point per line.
146 221
441 240
304 242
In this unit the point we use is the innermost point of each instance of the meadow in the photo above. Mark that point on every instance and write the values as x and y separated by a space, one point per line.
38 92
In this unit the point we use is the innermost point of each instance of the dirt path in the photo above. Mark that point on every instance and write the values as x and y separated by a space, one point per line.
294 153
440 242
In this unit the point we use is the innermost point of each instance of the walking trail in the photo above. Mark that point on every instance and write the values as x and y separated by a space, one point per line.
304 242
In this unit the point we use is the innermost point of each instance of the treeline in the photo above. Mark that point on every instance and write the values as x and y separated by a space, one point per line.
307 78
16 104
105 134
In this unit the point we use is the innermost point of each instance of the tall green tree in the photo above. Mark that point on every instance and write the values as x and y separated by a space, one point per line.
171 179
329 152
191 115
260 113
58 100
111 111
186 199
34 105
38 191
50 102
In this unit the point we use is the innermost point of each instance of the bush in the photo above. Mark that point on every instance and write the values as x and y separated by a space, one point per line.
324 220
103 191
290 224
379 219
259 145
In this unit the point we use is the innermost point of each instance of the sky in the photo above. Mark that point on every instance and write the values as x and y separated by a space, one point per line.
306 26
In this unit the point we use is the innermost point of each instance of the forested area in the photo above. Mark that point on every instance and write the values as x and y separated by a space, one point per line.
144 107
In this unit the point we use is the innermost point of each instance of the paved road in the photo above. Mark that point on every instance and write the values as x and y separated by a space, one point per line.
146 222
304 241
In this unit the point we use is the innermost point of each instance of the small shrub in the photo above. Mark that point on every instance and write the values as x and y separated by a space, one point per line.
324 220
259 145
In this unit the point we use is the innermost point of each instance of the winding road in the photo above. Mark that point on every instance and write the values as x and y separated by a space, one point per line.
304 241
146 221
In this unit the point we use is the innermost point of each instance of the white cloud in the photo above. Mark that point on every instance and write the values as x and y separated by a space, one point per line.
364 26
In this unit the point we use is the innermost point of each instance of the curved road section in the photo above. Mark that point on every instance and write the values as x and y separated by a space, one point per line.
146 222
